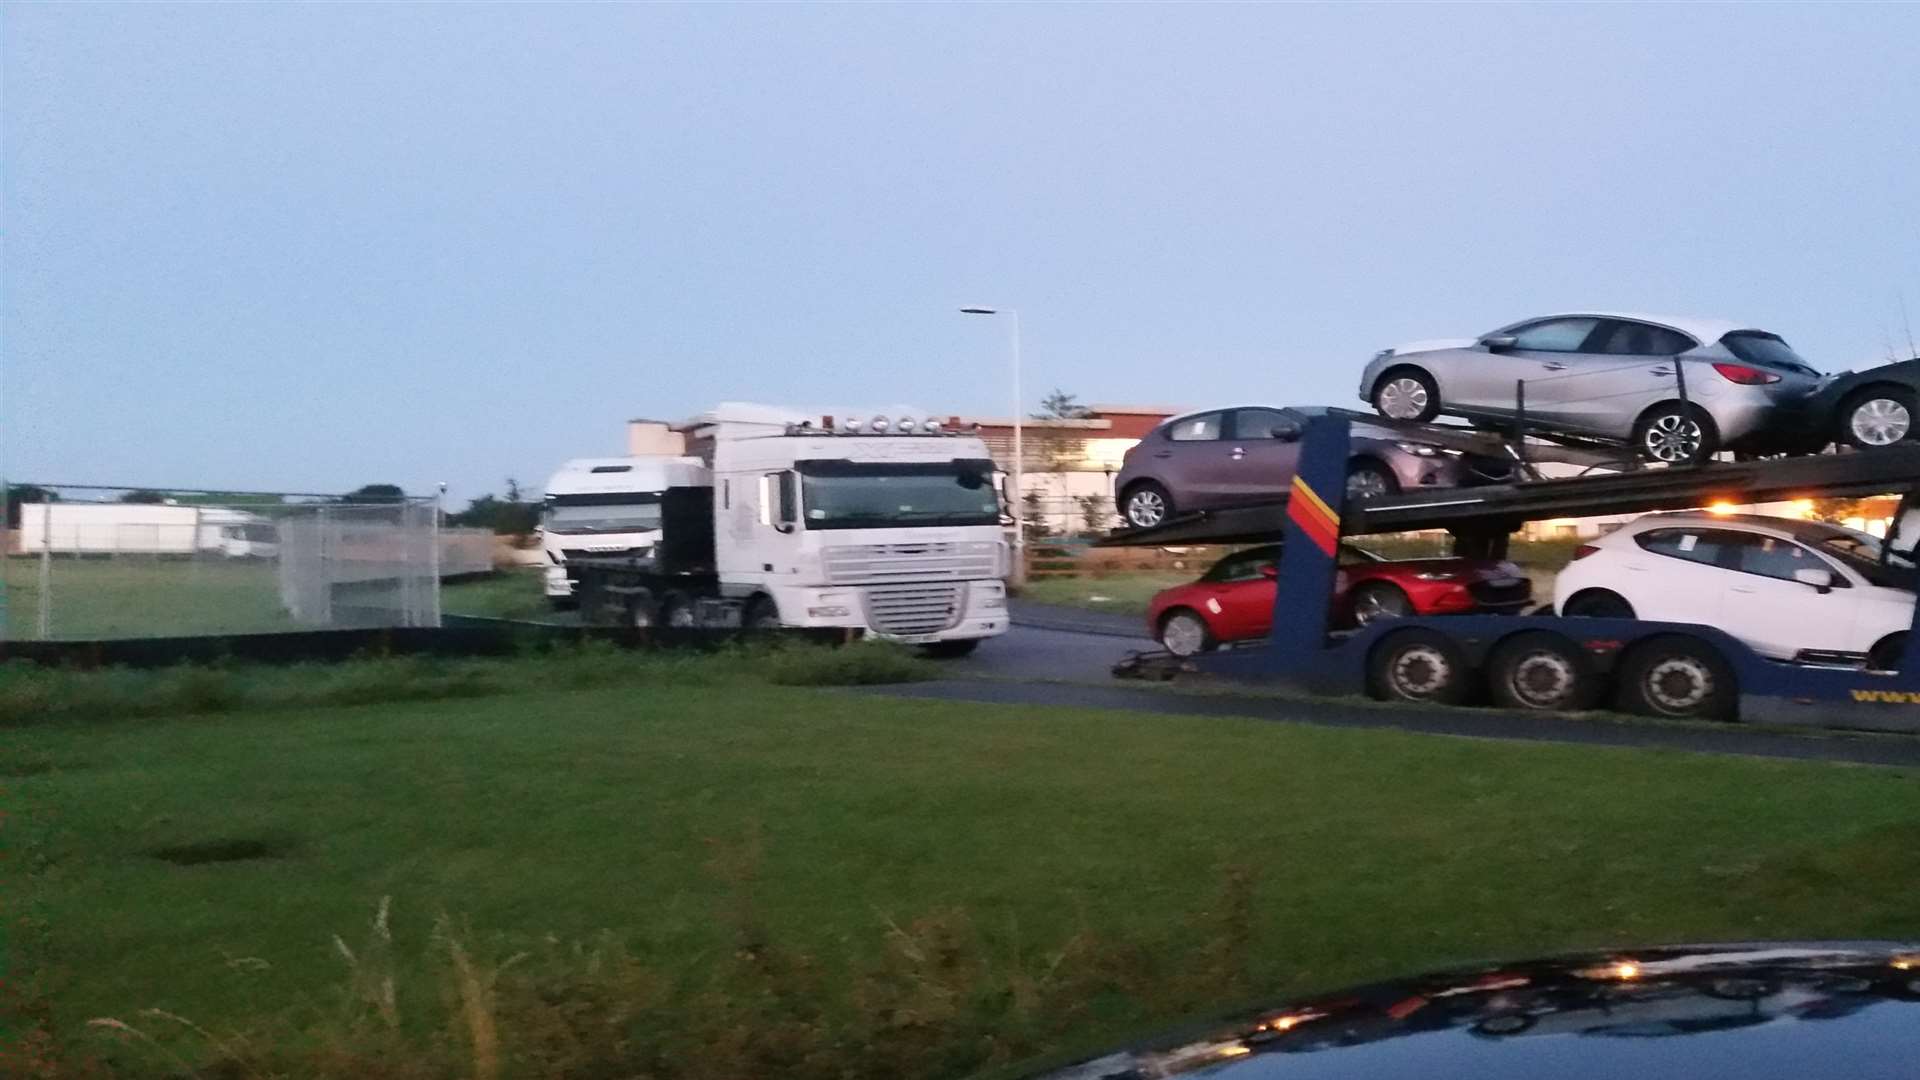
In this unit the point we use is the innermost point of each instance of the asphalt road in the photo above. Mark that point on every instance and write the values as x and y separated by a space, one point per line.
1059 667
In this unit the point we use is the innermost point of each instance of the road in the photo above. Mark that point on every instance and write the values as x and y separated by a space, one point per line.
1057 667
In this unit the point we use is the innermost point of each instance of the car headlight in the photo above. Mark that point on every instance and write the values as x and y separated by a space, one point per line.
1419 449
1439 575
829 611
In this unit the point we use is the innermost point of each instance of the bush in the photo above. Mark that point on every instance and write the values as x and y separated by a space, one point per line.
861 663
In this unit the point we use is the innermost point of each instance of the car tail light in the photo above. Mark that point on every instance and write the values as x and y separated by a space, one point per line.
1584 550
1744 375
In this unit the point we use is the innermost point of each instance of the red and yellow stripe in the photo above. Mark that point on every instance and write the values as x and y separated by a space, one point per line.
1315 518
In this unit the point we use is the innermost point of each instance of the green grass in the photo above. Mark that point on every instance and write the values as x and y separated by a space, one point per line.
505 594
641 823
144 597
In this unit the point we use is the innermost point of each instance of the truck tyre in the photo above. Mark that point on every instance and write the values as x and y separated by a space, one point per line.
1677 677
1417 665
951 650
1542 672
1876 416
762 614
676 611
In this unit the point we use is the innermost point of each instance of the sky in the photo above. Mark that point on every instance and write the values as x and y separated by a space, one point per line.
284 247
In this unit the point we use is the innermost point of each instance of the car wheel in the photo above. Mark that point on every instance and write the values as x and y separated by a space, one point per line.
1679 678
1541 671
1407 393
1886 653
1185 633
762 614
1675 435
1597 604
1878 416
951 650
1417 665
1146 504
1370 480
1377 600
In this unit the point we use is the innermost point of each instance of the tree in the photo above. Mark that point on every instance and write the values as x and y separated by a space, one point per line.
1095 514
1837 511
1061 405
143 497
512 516
375 493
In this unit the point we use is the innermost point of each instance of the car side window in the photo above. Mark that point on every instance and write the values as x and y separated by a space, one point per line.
1620 338
1245 566
1258 423
1689 545
1195 428
1554 335
1771 556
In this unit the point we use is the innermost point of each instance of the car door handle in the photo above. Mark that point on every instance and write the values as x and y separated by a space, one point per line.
1741 589
1659 371
1238 453
1554 366
1163 453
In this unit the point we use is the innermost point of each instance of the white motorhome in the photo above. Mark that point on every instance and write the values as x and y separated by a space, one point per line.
144 529
886 522
607 507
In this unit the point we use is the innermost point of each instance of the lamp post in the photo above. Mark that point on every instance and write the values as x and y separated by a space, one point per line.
1019 575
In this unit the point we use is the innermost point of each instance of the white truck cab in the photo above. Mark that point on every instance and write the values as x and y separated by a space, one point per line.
607 507
884 521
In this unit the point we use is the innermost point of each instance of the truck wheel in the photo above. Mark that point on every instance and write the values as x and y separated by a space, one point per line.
1541 671
1677 677
1417 665
762 614
676 611
951 650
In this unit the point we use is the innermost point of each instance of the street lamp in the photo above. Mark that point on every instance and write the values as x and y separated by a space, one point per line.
1019 450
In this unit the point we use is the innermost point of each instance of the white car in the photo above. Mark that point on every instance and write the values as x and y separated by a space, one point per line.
1792 590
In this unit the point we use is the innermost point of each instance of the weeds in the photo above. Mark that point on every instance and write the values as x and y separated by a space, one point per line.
939 998
32 694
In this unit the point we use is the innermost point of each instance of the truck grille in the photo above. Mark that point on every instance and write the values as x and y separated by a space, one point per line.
860 564
913 609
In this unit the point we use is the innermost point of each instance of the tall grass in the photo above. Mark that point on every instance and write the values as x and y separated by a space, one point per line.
33 694
937 997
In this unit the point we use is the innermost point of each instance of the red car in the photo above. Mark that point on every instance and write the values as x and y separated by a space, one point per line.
1234 600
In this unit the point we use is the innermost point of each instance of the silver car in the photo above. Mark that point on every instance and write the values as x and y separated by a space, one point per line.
1604 375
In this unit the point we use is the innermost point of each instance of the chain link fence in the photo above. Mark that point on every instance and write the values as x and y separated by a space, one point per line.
85 562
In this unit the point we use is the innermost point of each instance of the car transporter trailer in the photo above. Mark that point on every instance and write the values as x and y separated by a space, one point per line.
1544 662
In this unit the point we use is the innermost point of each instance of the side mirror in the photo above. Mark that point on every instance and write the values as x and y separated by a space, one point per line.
1286 430
1499 342
1821 580
1270 571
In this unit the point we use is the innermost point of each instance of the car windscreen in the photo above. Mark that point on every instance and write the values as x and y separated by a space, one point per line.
1862 554
839 494
1766 350
601 512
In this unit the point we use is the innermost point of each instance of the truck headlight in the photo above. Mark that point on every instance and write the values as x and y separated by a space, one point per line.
992 603
829 611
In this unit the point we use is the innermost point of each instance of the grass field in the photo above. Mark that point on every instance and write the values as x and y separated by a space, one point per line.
203 866
505 594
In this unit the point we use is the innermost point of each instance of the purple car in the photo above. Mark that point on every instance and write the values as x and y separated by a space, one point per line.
1234 456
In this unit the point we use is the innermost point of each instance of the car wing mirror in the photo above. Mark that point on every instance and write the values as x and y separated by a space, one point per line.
1499 342
1286 430
1821 580
1270 571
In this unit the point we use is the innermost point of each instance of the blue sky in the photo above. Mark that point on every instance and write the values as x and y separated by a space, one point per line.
292 247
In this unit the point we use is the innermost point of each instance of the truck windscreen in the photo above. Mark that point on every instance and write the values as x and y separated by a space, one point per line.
623 512
872 495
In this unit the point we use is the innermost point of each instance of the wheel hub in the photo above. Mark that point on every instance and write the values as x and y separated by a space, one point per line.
1673 438
1679 683
1420 671
1183 636
1403 399
1544 678
1881 422
1365 484
1145 509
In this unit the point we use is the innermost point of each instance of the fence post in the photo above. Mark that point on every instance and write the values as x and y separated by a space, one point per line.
46 565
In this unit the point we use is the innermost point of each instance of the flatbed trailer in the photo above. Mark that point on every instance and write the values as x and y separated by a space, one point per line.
1676 670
